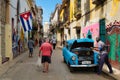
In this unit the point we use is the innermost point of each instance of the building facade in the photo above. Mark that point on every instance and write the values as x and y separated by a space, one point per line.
54 25
40 20
100 17
3 21
11 31
46 29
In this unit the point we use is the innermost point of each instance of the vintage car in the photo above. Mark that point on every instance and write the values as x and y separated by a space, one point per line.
78 53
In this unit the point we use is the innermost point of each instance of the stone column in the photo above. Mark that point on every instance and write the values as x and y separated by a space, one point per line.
8 33
0 34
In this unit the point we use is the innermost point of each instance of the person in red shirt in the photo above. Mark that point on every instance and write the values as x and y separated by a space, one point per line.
45 51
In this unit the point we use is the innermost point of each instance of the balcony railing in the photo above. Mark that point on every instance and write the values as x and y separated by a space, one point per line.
98 1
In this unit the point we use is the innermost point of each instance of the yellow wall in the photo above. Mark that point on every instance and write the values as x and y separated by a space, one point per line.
114 7
92 6
61 15
111 8
8 41
71 9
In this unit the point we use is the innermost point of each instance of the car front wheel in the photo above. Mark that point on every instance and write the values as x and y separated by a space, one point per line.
71 68
95 68
64 60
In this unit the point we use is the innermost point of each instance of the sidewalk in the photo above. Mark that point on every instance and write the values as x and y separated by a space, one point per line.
116 72
7 65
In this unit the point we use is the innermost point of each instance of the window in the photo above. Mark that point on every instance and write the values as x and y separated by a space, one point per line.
78 33
79 4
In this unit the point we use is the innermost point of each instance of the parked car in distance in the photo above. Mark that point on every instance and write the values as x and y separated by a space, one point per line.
78 53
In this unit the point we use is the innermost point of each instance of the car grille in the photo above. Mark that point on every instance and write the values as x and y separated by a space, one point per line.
80 62
86 57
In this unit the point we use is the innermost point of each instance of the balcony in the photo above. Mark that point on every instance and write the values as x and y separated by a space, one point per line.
77 14
98 1
7 1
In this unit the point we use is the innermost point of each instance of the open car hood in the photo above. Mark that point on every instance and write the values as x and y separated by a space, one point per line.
82 43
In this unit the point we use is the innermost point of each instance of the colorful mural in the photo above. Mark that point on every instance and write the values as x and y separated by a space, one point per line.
94 29
113 36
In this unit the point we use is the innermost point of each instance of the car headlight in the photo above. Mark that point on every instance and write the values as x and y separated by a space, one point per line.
73 58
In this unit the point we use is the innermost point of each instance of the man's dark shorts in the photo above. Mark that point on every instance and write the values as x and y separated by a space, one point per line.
31 50
46 59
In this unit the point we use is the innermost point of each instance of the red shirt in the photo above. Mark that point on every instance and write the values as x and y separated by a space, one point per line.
46 49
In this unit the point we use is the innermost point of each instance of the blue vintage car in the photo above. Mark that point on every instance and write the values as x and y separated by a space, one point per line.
78 53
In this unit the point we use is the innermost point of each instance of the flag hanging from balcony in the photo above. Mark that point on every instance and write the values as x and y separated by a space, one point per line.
26 20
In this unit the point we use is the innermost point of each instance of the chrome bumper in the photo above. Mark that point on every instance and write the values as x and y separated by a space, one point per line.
91 65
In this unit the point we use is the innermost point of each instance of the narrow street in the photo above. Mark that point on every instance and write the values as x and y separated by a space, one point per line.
26 69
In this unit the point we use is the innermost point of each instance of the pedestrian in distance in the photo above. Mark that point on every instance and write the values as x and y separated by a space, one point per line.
103 56
36 42
54 42
45 51
50 41
30 47
40 42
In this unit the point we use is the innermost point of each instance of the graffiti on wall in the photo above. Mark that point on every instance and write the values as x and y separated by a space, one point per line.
110 28
113 31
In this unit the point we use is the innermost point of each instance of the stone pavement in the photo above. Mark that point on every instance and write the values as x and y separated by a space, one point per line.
116 72
6 66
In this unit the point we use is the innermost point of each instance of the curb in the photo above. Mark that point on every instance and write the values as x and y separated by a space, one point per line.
115 74
7 65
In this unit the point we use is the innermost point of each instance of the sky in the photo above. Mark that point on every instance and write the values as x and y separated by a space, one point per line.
48 7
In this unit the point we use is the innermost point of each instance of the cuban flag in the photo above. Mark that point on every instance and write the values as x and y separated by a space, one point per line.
26 20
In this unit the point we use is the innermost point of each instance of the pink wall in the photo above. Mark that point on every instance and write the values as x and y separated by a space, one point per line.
94 29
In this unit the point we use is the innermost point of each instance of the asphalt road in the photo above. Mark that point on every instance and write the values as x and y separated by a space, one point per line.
26 69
